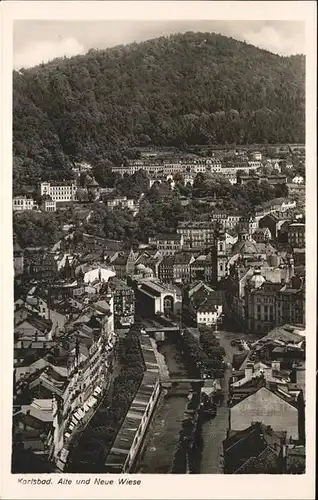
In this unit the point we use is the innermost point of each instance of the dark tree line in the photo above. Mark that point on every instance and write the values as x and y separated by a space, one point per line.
160 210
185 89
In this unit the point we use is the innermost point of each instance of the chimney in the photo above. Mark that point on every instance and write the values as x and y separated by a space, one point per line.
276 366
249 370
293 374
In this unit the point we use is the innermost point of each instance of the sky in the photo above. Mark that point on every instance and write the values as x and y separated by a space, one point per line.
41 41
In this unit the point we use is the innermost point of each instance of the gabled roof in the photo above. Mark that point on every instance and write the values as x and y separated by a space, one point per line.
182 258
287 398
39 323
286 334
167 261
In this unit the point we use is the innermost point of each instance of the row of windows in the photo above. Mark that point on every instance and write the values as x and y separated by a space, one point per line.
265 300
266 318
22 202
265 308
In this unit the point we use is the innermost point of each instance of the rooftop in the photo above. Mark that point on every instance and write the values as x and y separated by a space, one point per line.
126 435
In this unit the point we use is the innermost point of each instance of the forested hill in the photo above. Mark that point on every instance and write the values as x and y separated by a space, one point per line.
193 88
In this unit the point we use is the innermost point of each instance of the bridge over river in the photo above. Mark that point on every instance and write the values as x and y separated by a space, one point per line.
187 380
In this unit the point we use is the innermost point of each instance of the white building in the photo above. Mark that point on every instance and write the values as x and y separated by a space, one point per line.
232 180
257 155
209 312
288 204
122 202
49 205
298 179
214 165
254 164
98 273
188 179
22 203
59 192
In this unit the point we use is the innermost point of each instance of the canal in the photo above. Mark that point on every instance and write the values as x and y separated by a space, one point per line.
162 438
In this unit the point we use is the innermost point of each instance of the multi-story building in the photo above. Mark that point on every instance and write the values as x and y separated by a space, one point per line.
233 219
122 202
167 244
22 203
124 264
273 222
296 235
48 205
124 303
271 179
210 310
254 164
202 268
170 166
270 304
214 165
262 235
220 216
89 368
196 234
272 407
182 267
165 270
298 179
260 303
256 155
59 191
244 288
188 179
290 303
248 224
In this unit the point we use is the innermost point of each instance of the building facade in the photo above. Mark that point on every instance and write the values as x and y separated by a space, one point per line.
59 192
124 304
196 234
21 203
167 244
296 235
49 205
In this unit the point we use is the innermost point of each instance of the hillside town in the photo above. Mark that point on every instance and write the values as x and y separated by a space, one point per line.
193 316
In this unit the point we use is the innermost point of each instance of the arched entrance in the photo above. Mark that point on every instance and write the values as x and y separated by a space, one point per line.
168 304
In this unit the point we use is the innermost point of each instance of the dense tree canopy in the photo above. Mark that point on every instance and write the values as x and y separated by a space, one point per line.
192 88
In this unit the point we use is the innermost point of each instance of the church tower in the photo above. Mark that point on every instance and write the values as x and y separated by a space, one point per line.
219 256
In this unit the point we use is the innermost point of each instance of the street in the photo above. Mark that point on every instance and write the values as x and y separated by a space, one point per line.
214 430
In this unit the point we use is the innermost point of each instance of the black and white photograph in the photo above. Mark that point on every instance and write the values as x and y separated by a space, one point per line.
159 248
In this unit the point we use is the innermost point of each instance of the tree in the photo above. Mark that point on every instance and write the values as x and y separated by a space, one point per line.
82 109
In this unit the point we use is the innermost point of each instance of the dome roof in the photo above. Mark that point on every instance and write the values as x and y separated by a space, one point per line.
148 270
257 279
141 267
244 247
